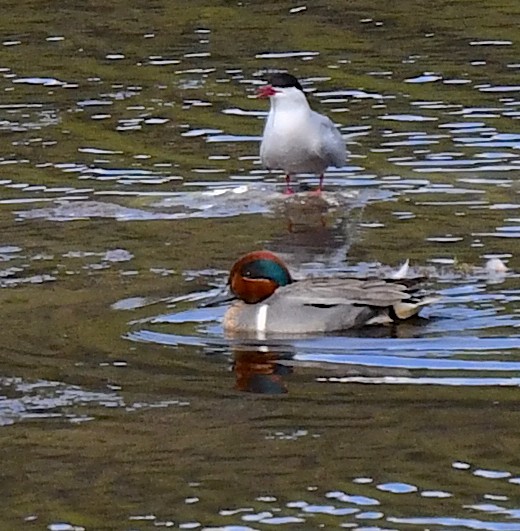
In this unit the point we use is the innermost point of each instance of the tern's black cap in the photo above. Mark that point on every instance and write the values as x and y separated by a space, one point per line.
281 80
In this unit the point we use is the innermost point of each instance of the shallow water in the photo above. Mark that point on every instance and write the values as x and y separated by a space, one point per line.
129 183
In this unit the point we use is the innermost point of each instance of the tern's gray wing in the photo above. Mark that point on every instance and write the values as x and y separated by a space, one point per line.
332 146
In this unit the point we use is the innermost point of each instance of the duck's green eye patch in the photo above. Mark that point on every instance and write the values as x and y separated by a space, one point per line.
267 269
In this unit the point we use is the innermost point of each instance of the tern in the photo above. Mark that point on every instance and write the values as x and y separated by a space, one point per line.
297 139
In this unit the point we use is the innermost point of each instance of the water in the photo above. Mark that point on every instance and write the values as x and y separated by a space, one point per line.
129 183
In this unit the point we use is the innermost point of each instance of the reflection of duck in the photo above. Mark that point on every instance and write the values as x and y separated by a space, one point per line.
257 371
265 368
296 138
272 302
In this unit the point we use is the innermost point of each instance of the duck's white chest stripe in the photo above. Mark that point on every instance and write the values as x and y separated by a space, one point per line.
261 318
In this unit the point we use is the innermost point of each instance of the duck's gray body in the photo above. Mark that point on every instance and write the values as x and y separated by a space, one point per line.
325 305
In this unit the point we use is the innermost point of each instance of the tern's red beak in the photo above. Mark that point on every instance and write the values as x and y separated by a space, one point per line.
265 91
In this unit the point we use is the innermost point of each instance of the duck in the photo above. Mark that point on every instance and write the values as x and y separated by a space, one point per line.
268 300
297 139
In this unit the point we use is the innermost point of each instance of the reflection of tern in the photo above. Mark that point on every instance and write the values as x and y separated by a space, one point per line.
297 139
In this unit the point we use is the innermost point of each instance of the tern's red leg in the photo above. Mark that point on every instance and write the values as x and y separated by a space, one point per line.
288 189
320 186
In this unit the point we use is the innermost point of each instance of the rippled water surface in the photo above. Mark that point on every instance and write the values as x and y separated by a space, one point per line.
130 182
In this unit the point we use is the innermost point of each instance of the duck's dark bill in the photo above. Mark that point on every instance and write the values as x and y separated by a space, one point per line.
221 298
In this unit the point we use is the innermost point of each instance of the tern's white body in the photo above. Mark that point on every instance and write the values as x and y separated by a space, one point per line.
297 139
